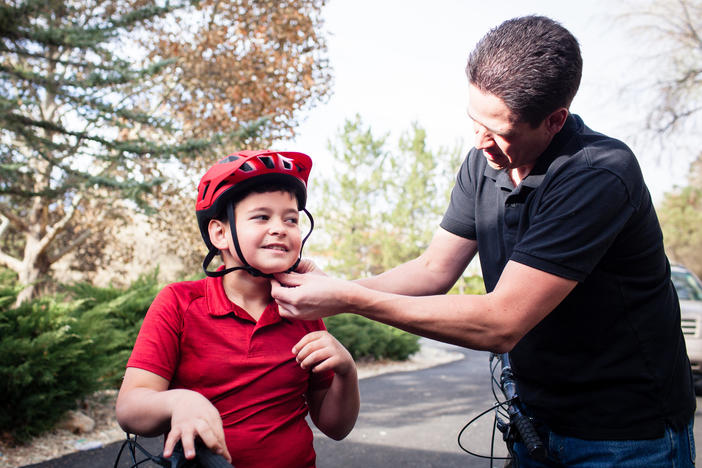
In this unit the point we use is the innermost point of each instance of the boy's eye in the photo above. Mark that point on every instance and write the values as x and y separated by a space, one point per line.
261 217
292 220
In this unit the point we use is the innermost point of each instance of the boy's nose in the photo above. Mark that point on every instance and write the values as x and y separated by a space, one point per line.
276 228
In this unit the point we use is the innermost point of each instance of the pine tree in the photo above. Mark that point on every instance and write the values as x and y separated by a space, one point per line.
382 205
87 113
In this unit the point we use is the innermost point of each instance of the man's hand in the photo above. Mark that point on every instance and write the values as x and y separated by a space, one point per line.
310 296
308 266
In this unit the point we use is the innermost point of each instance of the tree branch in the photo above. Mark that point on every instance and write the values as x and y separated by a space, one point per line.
58 227
70 247
6 213
5 259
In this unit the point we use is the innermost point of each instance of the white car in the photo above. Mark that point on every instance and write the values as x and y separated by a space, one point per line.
689 289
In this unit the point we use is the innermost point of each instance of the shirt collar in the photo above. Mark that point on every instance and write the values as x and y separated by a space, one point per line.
219 305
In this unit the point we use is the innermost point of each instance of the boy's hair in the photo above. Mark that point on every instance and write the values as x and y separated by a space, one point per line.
264 187
532 63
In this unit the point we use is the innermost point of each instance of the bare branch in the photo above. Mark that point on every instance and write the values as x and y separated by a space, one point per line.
6 259
57 228
69 247
7 213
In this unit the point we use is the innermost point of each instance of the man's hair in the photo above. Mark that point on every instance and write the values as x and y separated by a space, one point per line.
532 64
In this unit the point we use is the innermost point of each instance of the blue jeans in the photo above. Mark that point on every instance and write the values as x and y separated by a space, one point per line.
676 449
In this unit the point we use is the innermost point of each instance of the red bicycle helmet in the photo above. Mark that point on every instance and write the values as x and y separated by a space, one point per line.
238 173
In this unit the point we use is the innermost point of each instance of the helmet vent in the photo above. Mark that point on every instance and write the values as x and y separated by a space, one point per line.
246 167
228 159
267 161
204 191
286 164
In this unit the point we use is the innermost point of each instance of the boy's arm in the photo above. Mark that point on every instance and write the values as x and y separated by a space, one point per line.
333 410
145 406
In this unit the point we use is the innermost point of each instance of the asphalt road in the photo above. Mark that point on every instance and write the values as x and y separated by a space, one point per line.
408 419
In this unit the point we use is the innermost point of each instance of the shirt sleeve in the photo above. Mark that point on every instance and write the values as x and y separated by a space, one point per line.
459 218
158 343
576 222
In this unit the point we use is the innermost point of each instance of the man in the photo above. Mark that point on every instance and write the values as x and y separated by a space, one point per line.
578 284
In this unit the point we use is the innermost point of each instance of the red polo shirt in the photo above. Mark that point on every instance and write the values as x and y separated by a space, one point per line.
197 339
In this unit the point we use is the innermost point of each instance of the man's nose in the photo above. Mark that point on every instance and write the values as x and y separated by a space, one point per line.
483 139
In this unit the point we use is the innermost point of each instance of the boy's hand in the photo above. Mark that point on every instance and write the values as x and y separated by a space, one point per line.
320 351
194 416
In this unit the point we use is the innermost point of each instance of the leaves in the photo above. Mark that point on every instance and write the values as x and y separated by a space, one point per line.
681 217
381 207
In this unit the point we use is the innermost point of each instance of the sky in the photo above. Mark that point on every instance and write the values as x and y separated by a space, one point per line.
396 62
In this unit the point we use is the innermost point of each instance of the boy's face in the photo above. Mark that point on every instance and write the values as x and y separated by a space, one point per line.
268 231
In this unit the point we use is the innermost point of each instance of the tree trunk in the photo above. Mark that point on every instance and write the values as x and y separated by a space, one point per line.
35 266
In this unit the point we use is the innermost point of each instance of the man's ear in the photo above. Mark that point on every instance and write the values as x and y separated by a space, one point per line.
218 234
556 120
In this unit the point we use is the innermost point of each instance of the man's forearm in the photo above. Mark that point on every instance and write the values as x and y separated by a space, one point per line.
413 278
495 321
465 320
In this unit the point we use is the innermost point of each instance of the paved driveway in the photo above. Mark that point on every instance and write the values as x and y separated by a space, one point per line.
408 419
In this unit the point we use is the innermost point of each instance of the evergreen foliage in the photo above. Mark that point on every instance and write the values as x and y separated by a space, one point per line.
45 364
111 318
403 193
365 338
101 100
56 350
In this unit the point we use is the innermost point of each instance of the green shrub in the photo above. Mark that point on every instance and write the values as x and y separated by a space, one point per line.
45 365
111 318
58 349
366 338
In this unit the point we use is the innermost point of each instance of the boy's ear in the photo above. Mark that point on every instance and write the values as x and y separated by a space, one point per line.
218 234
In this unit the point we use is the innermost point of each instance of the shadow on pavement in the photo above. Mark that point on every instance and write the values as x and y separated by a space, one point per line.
332 454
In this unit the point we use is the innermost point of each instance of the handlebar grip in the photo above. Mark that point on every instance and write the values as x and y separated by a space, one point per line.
204 457
208 459
529 436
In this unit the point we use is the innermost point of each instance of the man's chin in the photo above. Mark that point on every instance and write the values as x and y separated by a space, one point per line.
493 162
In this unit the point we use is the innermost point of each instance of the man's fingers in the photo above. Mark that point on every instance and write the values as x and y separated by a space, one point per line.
289 280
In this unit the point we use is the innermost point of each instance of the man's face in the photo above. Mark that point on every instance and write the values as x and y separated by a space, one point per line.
268 231
506 143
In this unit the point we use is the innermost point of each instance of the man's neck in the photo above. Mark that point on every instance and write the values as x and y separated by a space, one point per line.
518 174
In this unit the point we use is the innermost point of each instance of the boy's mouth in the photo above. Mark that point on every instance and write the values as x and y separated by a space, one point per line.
279 247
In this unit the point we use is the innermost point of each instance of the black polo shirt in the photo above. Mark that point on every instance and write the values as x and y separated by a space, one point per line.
610 361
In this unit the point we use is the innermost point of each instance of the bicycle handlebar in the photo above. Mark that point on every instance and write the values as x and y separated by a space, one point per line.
523 424
204 457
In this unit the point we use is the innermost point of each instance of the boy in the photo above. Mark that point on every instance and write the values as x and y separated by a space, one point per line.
213 358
